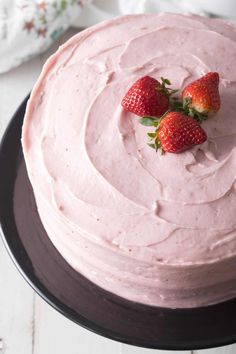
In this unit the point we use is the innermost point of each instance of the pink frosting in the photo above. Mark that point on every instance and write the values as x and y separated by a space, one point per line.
157 229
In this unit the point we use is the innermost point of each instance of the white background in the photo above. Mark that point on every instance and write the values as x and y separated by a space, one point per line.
27 324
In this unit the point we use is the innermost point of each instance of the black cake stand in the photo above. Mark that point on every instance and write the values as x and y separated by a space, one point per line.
76 297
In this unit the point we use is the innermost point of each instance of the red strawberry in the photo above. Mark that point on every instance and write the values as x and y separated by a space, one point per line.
147 97
178 132
202 95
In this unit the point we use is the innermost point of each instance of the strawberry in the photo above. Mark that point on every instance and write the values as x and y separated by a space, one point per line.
148 97
176 132
201 97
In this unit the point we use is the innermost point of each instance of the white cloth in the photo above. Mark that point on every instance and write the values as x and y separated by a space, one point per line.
28 27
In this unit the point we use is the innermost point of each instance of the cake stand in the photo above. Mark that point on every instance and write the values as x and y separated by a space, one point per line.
76 297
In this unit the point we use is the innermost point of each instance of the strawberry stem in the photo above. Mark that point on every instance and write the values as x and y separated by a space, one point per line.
176 105
166 90
165 81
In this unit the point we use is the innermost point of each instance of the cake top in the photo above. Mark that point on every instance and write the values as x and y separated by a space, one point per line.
91 155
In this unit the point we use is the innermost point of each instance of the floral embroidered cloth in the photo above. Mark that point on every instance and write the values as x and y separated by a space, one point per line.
28 27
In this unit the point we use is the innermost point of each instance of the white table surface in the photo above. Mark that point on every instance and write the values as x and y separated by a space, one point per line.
28 325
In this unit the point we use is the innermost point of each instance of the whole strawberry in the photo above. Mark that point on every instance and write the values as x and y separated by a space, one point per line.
147 97
202 96
178 132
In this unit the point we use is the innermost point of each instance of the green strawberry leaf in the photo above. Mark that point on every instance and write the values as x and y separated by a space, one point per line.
152 145
186 102
176 105
151 135
157 144
148 121
191 112
198 116
165 81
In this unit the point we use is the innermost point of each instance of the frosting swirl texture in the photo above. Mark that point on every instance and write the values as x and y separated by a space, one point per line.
157 229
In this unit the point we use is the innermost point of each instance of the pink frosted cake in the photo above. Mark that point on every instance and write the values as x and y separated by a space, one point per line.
152 228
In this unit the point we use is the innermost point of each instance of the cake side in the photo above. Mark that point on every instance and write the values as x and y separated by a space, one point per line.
151 228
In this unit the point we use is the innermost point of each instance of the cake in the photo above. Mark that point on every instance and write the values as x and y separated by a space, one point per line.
151 228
